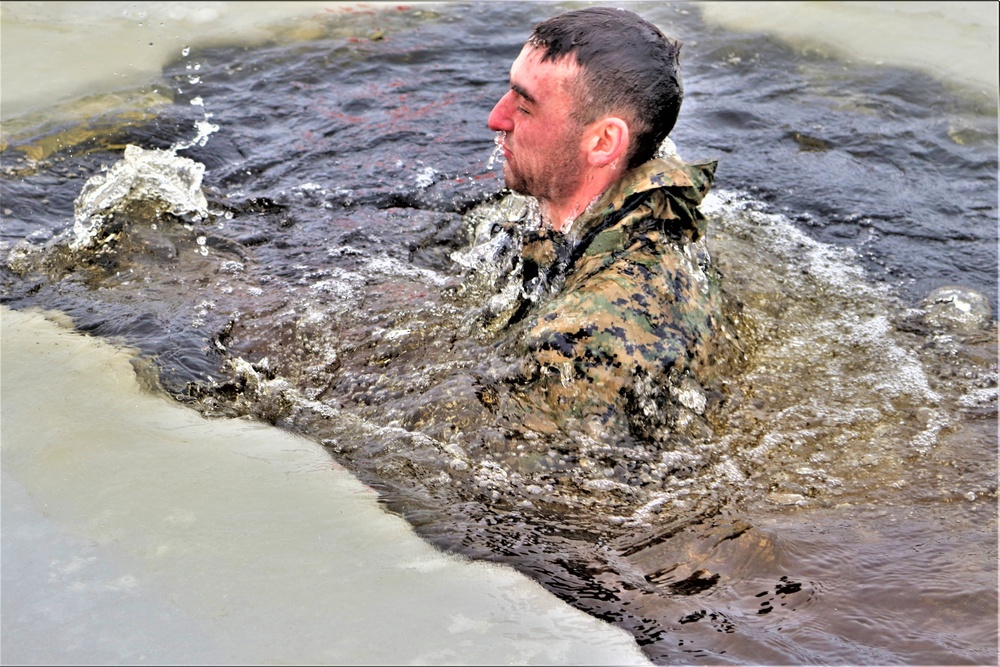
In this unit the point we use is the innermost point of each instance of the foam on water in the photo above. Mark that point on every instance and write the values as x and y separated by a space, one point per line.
861 390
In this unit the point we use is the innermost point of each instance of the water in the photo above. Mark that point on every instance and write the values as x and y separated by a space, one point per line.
497 155
327 286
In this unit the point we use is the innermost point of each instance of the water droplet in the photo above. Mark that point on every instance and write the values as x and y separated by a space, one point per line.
497 155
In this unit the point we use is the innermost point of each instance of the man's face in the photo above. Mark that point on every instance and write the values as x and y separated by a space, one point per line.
542 148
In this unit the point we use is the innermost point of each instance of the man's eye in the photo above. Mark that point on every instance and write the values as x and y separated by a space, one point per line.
522 110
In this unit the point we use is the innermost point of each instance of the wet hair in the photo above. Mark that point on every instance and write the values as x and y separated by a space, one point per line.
628 68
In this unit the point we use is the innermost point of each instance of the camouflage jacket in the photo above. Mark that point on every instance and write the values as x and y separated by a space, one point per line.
623 314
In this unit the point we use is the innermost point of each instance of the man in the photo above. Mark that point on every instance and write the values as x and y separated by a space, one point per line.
620 308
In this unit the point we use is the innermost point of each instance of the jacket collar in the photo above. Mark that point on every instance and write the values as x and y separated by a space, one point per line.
670 188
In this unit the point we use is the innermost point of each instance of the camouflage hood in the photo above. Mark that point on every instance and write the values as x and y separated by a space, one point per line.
666 191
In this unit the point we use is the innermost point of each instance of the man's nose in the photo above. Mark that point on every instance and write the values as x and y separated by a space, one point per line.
500 117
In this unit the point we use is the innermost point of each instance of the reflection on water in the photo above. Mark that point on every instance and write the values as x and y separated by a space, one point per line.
317 288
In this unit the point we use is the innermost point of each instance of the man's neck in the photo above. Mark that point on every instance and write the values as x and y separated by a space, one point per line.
561 218
561 215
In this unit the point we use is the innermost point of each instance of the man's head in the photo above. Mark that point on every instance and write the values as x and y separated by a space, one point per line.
628 68
593 93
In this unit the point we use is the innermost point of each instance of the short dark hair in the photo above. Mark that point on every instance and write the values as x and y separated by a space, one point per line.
628 67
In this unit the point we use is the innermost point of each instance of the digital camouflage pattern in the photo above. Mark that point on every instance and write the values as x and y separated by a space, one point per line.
623 316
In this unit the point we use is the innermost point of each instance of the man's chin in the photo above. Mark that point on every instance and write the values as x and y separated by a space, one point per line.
512 180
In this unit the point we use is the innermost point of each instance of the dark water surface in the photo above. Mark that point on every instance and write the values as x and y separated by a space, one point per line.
841 509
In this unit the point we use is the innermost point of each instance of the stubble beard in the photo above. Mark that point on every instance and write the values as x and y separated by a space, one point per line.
553 184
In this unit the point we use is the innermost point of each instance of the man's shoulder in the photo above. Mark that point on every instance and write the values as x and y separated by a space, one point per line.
664 189
690 180
672 171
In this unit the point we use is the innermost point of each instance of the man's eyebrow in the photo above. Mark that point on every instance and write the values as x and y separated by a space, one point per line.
522 92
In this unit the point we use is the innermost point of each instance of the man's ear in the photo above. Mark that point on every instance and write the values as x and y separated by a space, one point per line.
607 141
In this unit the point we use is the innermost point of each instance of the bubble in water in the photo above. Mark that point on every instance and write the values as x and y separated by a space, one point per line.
185 51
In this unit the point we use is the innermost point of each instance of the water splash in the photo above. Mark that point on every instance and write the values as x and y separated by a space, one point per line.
159 178
496 157
205 128
171 183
